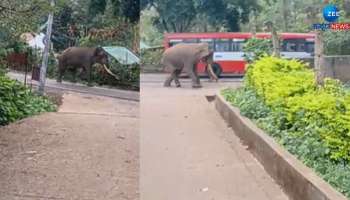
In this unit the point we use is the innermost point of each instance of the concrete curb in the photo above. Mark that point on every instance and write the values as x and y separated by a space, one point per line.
298 181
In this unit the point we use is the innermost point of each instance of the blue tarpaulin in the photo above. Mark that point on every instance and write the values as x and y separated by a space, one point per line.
123 55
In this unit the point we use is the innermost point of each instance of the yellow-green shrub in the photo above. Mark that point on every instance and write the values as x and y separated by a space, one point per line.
274 79
288 87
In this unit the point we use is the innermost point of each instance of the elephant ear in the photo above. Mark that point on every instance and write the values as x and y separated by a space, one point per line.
204 51
99 51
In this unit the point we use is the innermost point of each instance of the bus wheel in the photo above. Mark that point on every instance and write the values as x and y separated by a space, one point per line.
216 68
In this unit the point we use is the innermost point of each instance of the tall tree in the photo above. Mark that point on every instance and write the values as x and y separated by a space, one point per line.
19 16
179 16
129 9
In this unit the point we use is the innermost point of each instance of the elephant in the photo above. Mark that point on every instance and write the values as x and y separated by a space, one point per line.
74 58
186 56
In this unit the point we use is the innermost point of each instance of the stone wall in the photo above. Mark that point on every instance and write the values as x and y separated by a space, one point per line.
338 67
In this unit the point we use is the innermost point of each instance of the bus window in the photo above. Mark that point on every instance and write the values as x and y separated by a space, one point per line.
210 43
310 47
190 40
222 45
237 45
294 45
174 42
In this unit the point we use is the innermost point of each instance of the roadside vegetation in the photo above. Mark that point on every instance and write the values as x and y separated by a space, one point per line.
310 121
17 101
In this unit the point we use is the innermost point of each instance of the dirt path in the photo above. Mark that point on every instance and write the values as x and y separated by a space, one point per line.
187 152
89 150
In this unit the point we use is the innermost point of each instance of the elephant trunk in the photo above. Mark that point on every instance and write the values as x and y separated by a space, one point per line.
211 73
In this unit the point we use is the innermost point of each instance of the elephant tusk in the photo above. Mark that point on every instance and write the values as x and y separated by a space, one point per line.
110 72
211 73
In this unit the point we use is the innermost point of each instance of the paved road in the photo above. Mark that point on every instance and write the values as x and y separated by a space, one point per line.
88 150
52 85
187 152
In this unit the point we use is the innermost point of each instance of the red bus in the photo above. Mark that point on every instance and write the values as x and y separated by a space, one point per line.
228 47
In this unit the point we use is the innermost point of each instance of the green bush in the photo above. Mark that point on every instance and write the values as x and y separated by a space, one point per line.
151 57
275 79
128 76
255 48
151 60
17 102
289 86
311 121
301 140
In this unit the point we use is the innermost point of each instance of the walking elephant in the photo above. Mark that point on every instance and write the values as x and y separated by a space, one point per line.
186 56
74 58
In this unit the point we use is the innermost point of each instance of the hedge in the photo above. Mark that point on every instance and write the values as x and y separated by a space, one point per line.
311 121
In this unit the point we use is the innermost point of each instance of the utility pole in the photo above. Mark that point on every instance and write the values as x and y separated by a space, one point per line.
46 52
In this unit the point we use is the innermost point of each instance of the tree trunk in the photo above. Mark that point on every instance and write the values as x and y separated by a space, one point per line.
320 71
275 39
165 26
275 43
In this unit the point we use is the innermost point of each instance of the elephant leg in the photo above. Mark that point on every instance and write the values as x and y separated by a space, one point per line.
61 70
176 77
74 71
168 81
82 73
88 70
194 76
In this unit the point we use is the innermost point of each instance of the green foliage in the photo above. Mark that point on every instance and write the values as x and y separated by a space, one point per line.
128 76
17 102
120 17
148 32
181 15
337 42
255 48
151 57
275 79
244 98
20 16
129 9
312 122
301 140
286 15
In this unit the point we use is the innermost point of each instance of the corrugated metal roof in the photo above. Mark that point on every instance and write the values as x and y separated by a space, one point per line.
122 54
